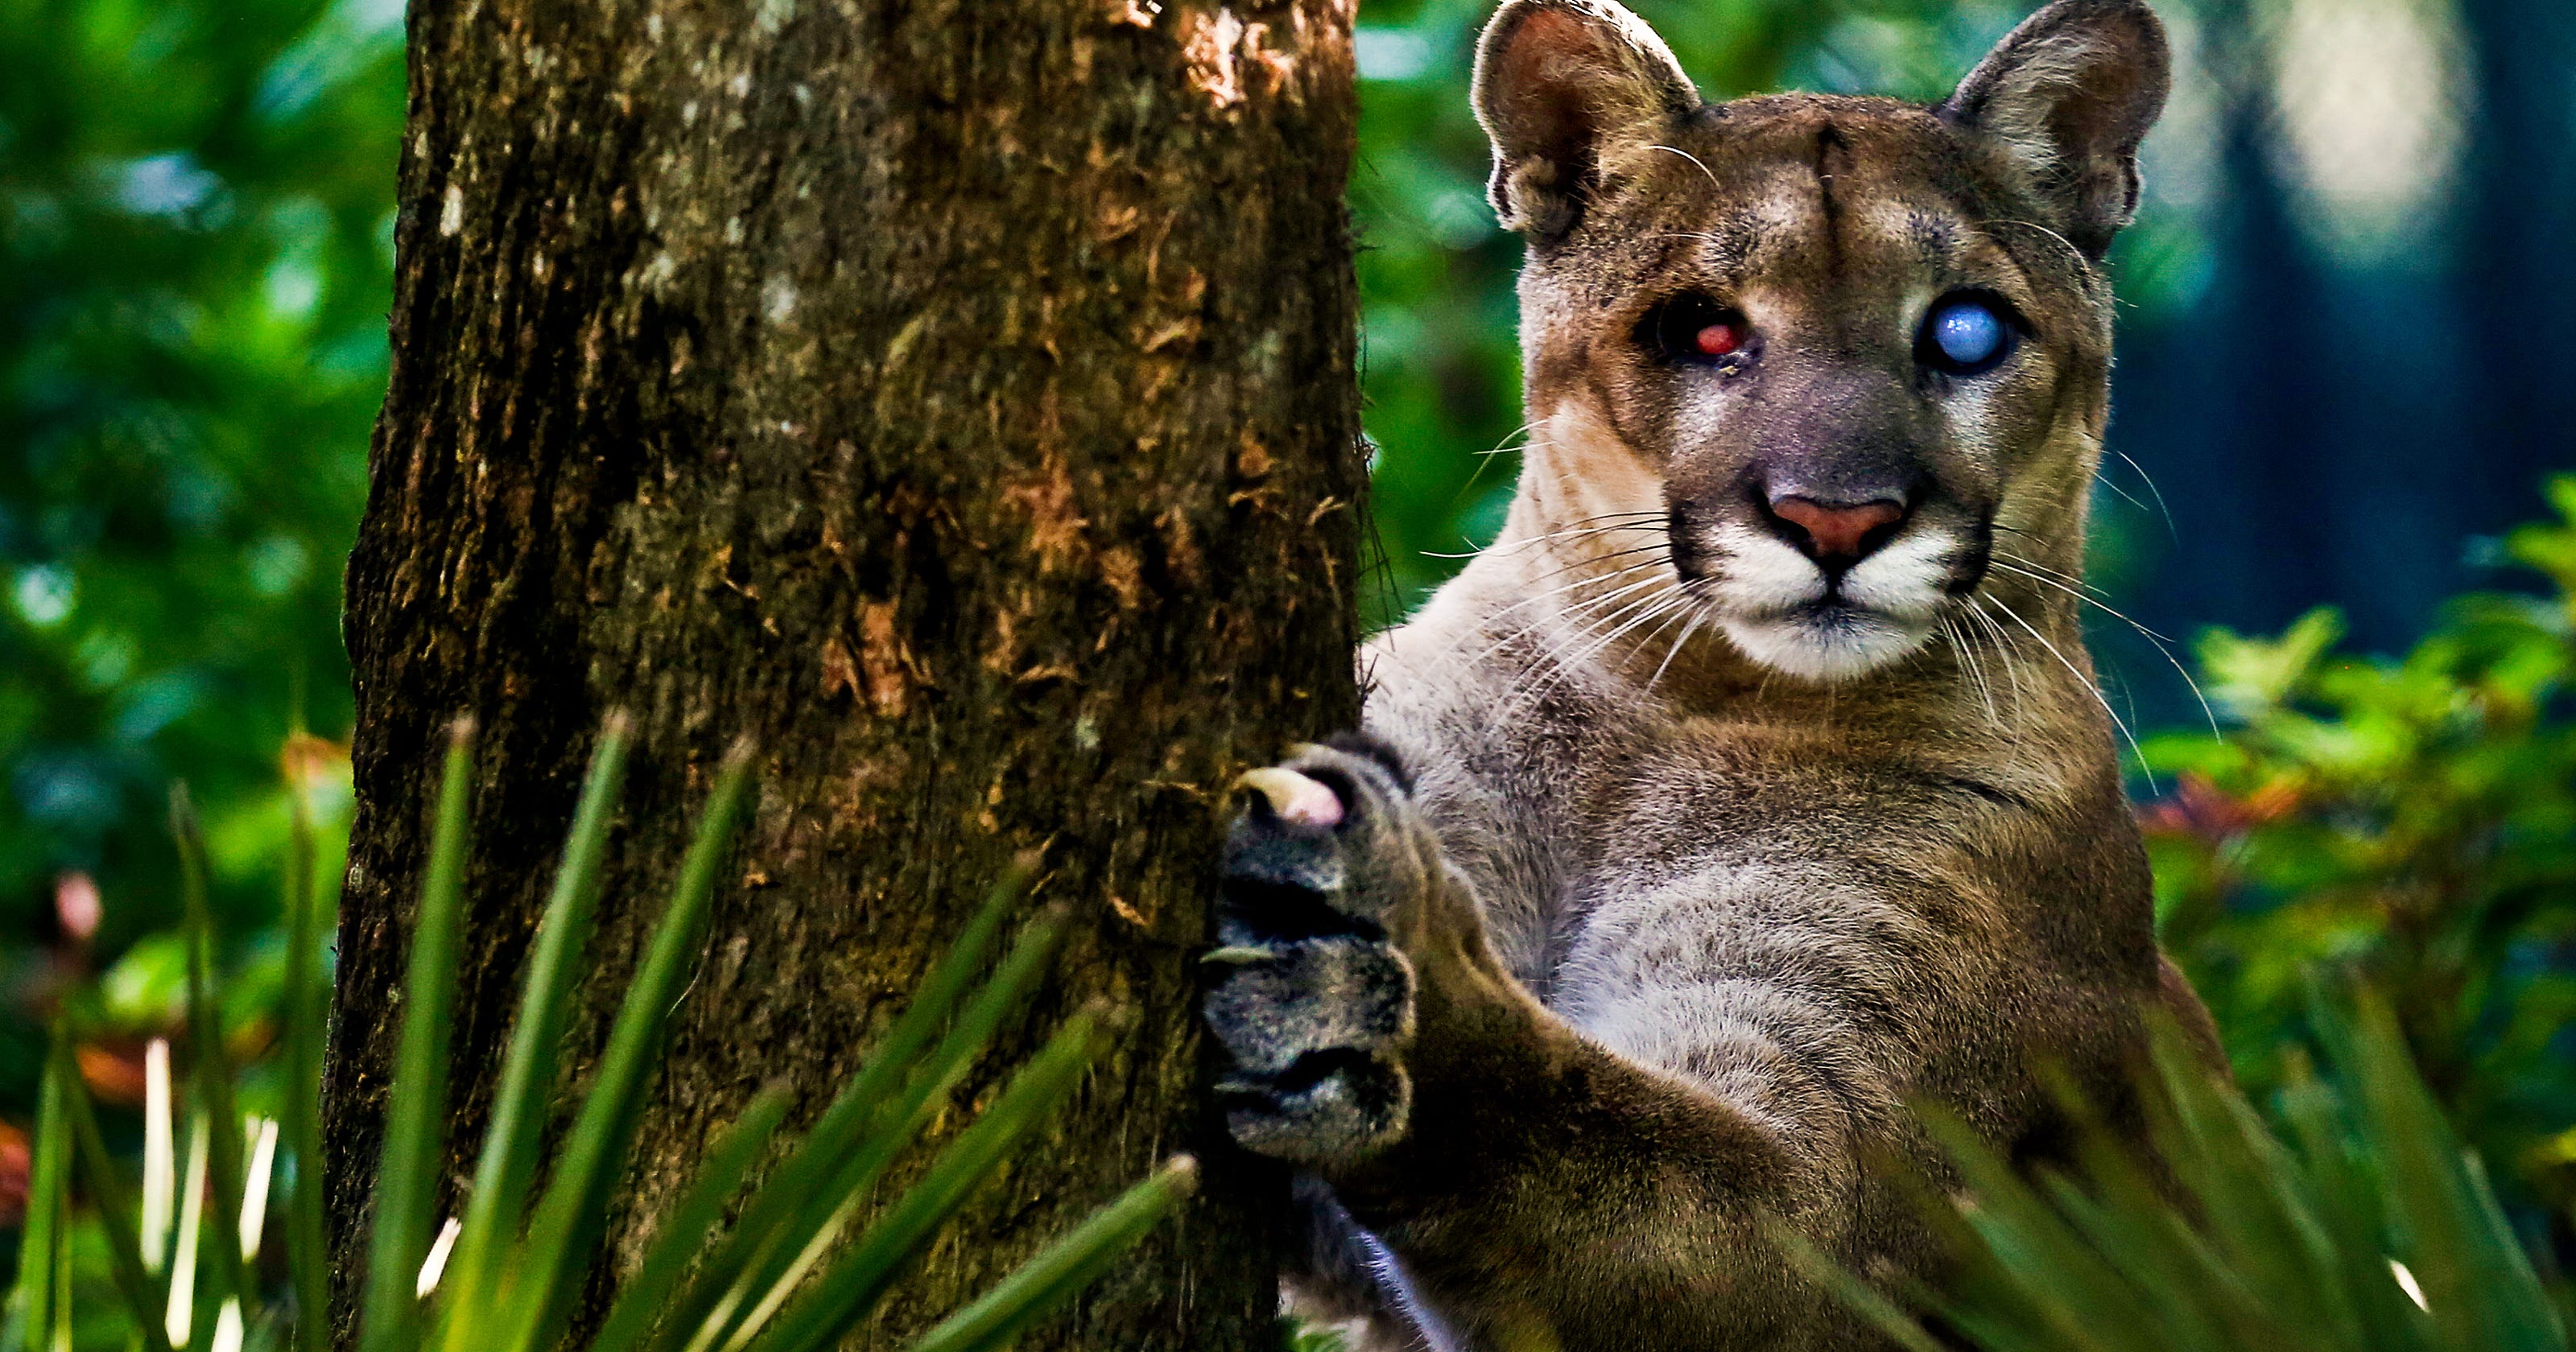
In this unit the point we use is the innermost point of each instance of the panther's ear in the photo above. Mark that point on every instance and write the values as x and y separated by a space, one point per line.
2070 94
1557 81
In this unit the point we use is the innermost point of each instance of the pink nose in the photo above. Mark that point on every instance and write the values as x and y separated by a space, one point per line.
1839 534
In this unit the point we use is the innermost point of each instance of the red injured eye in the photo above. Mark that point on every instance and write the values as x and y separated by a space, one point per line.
1693 329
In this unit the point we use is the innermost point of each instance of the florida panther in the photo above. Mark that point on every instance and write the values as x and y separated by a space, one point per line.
1754 781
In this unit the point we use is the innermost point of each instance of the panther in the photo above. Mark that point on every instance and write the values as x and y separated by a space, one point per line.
1754 784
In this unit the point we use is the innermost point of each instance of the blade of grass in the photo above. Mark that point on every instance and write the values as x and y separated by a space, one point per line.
835 1136
2259 1201
2212 1295
2202 1301
1064 1267
160 1156
852 1285
115 1206
509 1162
1814 1264
686 1226
566 1223
210 1067
188 1241
41 1278
2476 1278
2348 1206
822 1213
415 1120
307 1005
2079 1292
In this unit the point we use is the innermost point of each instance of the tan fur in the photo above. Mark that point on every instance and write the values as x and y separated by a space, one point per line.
1699 901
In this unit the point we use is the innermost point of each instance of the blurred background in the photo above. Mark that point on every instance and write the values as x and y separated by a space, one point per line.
2347 369
196 223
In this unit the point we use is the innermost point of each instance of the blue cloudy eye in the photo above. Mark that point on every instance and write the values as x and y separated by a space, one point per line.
1964 336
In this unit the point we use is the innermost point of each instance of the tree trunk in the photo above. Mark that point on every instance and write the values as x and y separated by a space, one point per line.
959 399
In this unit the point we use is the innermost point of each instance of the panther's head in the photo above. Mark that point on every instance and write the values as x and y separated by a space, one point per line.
1842 362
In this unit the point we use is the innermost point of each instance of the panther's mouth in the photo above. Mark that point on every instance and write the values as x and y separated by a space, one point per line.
1833 608
1785 612
1832 639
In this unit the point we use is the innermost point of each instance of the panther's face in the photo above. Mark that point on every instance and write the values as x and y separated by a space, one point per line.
1847 356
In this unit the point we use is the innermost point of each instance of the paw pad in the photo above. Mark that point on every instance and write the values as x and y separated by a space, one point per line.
1294 798
1311 1000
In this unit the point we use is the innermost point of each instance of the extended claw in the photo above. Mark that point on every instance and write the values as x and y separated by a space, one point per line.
1293 797
1236 955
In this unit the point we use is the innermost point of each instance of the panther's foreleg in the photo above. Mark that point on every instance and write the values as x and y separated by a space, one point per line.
1539 1189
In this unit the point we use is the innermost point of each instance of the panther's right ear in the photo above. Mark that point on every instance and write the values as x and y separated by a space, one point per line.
1555 81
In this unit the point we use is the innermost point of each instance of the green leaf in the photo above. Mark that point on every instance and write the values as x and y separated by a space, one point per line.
44 1295
820 1215
685 1227
567 1220
849 1289
144 1299
2250 676
210 1067
416 1118
1873 1306
2477 1281
308 996
770 1227
1064 1267
2230 1240
509 1161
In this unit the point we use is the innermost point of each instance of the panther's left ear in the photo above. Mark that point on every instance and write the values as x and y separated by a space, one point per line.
2069 95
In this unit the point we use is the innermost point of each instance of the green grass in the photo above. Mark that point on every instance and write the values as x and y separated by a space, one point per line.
793 1274
2365 1228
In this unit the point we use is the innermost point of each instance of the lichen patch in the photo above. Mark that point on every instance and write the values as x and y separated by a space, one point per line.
1208 54
1055 524
881 659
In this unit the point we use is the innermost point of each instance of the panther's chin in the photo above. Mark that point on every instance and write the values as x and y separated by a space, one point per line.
1828 641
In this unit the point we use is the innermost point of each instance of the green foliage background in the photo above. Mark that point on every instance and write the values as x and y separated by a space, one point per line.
195 258
2412 819
195 222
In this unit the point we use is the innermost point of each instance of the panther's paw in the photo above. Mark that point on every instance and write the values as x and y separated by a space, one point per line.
1312 998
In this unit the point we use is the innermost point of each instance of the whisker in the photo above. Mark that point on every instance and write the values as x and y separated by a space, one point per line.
1624 570
1654 607
2155 640
1703 168
2123 494
1627 560
1519 546
1583 529
1506 443
2157 493
2082 262
1578 584
2008 650
1485 458
1698 616
1576 611
2019 569
1968 661
1553 657
2059 574
2090 689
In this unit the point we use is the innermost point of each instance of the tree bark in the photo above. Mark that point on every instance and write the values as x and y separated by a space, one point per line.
959 399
